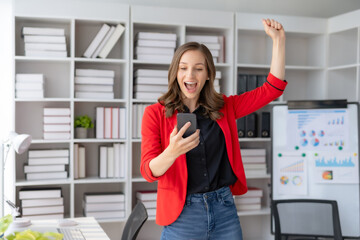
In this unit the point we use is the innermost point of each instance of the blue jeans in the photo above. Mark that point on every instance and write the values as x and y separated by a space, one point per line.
210 215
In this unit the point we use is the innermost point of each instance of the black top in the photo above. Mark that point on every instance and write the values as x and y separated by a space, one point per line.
208 164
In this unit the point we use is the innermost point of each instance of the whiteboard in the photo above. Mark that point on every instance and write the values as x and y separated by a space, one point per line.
315 155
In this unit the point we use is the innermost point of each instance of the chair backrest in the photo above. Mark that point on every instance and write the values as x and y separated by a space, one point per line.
307 218
135 221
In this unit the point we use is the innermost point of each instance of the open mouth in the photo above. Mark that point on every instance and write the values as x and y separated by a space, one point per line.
190 86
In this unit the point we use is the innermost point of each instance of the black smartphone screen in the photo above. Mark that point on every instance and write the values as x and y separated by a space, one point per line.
183 118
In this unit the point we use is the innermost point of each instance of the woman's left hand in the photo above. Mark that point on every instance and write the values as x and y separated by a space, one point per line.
274 29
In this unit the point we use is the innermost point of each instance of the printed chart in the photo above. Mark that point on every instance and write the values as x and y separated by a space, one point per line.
318 130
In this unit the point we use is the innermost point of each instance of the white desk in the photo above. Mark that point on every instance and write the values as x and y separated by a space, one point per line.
88 225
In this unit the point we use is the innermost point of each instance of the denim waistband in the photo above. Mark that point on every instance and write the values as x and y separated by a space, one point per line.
199 197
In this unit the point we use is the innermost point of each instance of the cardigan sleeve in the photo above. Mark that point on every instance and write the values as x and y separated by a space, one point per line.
150 142
251 101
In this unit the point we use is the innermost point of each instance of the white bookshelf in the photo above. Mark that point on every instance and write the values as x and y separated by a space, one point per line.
321 64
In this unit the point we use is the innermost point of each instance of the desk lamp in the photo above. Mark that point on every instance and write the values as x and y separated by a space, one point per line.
20 143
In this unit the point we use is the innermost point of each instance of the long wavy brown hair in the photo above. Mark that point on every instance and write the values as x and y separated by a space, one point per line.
209 99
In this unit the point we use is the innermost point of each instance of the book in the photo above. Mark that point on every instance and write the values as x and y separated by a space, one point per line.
247 200
43 31
94 80
42 210
253 159
255 166
251 82
150 88
146 195
43 168
94 73
103 42
248 207
41 53
48 153
42 202
115 123
46 216
57 135
45 46
107 214
48 161
104 197
110 162
250 172
107 122
123 160
29 77
122 122
156 36
253 192
213 46
57 128
98 207
154 57
96 40
221 56
151 73
39 193
29 94
76 161
147 95
29 86
151 80
44 39
155 43
218 75
95 95
56 111
154 50
82 163
46 175
117 160
112 41
151 211
93 88
56 119
100 115
103 162
148 204
253 152
202 38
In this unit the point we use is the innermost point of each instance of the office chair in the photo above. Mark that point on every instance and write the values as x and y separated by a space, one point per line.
306 219
135 221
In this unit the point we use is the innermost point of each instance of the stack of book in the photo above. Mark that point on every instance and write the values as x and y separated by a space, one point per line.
249 201
154 46
112 161
94 83
254 161
44 42
217 81
57 123
111 122
138 112
29 85
47 164
148 198
79 161
216 45
104 205
42 203
150 83
248 82
104 41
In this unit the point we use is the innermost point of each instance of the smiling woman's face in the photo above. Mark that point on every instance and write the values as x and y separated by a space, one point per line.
192 75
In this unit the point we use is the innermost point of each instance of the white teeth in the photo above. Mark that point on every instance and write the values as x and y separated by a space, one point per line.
189 83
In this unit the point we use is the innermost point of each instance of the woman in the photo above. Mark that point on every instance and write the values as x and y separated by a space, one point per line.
197 175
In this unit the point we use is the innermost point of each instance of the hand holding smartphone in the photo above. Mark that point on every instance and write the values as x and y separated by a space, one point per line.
183 118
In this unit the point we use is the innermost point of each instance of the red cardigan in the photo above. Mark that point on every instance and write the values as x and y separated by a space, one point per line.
156 129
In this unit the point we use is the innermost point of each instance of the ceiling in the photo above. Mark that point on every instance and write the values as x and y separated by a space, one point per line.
309 8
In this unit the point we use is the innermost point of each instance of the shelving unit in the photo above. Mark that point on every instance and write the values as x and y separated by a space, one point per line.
321 64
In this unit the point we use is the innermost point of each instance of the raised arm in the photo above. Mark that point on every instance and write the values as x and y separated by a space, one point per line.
276 31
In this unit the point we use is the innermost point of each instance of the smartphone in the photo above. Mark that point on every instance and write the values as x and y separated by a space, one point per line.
183 118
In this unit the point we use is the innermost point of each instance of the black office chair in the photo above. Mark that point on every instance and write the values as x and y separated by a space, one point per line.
306 219
135 221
